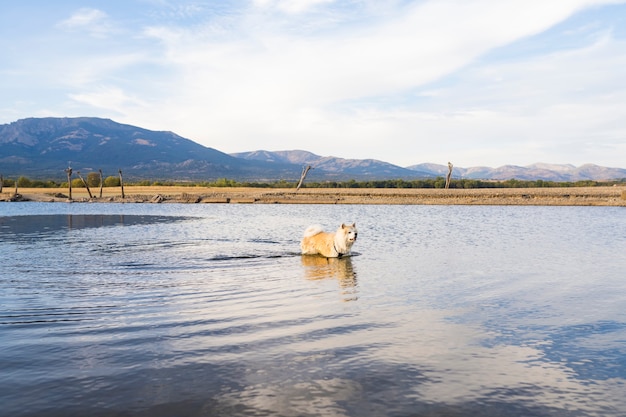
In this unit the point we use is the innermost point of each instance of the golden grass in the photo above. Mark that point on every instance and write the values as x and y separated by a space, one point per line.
590 196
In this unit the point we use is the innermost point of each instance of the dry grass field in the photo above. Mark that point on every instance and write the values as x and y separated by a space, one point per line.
570 196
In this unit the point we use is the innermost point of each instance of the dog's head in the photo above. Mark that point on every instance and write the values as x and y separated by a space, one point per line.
350 232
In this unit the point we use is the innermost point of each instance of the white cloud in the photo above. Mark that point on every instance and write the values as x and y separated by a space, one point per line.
476 81
291 6
557 106
110 98
287 89
93 21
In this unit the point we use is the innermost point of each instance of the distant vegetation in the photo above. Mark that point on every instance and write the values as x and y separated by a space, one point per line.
24 182
93 180
440 182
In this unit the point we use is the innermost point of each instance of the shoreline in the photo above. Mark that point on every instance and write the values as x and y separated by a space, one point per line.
554 196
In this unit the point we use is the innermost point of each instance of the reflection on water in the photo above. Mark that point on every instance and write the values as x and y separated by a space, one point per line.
18 226
457 311
340 269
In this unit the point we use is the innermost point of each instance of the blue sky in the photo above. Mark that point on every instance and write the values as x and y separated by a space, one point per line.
474 82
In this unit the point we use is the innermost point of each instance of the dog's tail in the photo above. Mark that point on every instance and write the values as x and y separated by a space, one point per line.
313 230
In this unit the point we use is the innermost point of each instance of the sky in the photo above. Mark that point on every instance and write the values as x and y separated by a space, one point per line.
473 82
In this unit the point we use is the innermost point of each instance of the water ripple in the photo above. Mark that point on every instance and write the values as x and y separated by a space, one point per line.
450 311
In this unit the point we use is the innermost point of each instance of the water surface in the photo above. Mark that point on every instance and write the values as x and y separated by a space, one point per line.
204 310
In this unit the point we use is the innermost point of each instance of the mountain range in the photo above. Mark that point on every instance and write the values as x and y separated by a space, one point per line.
45 147
42 148
538 171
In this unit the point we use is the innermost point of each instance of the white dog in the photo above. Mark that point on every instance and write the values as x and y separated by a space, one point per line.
330 245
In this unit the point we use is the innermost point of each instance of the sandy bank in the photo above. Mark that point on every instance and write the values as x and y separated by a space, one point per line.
571 196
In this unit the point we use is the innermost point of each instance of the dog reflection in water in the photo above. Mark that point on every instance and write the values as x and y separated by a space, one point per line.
318 267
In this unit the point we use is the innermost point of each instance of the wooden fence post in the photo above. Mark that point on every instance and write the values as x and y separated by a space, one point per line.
69 181
122 183
100 171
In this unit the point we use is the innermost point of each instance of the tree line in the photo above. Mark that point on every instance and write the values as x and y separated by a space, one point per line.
93 180
464 183
438 182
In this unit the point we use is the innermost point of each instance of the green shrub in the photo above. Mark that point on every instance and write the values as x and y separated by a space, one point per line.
93 179
111 182
23 182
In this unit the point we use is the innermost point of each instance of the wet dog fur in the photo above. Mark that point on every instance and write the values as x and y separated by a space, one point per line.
330 245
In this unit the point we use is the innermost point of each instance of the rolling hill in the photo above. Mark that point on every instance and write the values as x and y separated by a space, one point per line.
336 168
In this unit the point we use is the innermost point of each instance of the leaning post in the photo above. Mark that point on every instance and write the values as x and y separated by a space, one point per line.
449 175
85 184
305 171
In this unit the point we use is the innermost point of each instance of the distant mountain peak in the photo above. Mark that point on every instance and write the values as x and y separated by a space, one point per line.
334 166
41 147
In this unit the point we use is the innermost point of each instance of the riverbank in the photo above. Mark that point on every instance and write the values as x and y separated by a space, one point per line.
562 196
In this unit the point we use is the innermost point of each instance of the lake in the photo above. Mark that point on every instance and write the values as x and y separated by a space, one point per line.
209 310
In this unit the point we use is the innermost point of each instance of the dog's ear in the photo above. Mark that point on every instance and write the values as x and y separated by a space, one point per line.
343 226
354 224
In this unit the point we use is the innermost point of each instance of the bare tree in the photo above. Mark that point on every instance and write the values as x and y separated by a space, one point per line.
305 171
101 182
122 183
1 183
68 171
84 183
450 166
